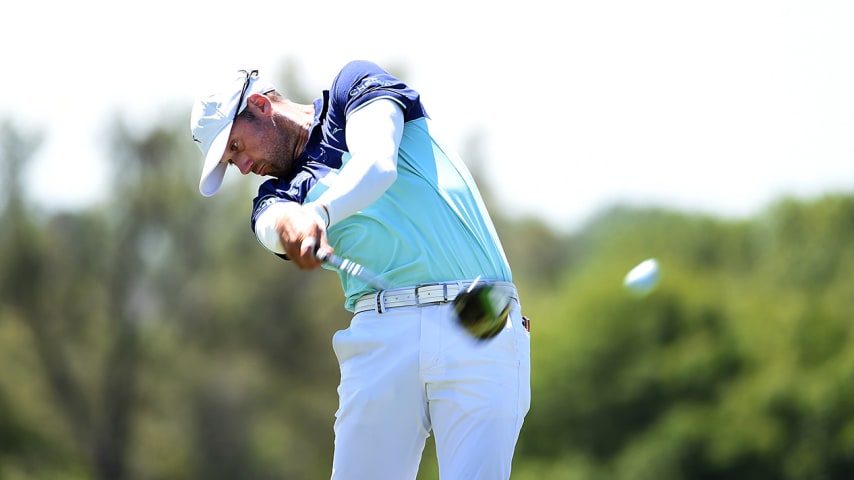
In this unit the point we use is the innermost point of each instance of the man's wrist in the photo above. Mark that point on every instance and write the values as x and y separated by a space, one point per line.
321 211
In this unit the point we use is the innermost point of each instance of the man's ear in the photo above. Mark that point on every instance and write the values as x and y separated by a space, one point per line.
259 105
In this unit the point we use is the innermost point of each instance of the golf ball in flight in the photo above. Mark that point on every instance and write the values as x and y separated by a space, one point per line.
643 279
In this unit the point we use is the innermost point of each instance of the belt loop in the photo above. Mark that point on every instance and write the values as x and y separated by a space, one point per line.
381 301
444 292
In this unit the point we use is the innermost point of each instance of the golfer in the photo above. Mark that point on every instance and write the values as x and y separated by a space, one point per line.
361 173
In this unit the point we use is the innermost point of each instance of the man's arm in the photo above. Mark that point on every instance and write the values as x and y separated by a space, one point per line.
373 135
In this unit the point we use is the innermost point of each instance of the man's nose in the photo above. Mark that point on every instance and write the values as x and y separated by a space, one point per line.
243 163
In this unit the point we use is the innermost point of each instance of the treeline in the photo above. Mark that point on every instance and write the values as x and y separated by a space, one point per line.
740 366
151 337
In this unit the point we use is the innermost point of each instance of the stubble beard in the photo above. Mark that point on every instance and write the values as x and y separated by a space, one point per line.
280 156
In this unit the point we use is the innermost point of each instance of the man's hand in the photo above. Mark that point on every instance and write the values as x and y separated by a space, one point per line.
302 232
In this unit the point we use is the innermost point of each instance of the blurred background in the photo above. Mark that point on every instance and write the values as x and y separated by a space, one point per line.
144 334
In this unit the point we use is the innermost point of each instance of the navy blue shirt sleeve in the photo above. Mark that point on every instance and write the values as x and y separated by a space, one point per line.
289 190
360 82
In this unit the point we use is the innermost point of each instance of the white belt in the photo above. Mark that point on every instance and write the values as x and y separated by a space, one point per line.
420 295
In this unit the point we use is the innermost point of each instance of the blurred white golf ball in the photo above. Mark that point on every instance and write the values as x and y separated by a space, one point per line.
643 279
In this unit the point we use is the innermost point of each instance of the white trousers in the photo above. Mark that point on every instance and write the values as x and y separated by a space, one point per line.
413 370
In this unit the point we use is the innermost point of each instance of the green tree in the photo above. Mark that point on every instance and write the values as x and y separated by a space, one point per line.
738 366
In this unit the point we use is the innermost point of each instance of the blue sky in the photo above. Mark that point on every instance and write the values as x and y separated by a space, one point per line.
720 107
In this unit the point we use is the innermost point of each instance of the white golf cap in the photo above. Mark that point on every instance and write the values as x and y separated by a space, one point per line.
211 121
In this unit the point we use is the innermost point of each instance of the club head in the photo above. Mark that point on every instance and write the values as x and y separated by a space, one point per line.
482 310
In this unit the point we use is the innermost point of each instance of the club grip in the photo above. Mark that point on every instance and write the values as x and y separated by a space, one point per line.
329 258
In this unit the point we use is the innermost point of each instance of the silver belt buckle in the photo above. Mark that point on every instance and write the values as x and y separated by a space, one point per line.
436 284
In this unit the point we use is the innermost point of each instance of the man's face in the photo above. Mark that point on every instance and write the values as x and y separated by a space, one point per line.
258 145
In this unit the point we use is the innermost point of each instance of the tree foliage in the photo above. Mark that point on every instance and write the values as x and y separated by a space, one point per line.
151 337
738 366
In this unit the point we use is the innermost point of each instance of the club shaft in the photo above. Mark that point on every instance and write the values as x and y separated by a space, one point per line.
354 269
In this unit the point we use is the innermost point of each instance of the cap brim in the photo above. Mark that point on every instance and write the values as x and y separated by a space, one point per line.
213 170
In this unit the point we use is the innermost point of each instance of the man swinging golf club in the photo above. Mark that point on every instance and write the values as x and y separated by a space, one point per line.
360 173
